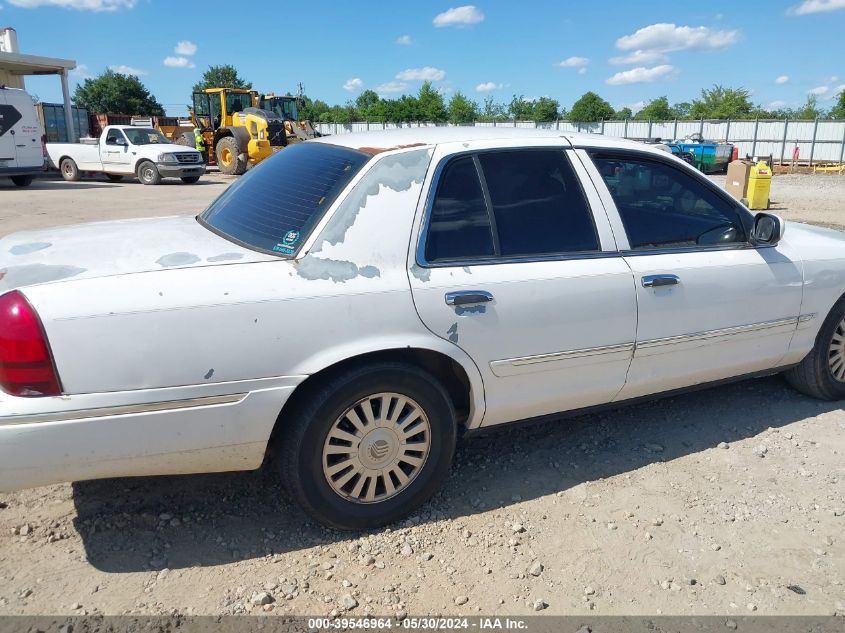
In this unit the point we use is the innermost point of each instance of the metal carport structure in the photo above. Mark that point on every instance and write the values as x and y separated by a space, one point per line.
15 66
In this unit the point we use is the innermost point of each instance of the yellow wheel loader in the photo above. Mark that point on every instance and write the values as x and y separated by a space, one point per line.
286 109
236 131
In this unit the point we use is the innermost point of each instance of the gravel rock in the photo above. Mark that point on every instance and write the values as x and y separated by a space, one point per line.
459 600
517 528
539 605
724 445
261 598
348 602
719 580
536 568
407 550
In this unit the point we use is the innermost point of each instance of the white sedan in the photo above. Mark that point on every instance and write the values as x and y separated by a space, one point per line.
355 303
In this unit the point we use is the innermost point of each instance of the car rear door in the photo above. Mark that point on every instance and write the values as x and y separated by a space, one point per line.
515 263
711 305
7 140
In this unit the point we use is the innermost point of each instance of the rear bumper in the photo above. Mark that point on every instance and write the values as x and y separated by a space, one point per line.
180 171
33 170
207 428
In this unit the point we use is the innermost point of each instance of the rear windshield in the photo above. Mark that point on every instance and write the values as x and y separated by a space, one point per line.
273 207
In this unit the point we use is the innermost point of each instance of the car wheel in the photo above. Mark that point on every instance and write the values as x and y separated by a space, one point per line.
148 173
114 177
368 447
22 181
70 171
822 372
189 180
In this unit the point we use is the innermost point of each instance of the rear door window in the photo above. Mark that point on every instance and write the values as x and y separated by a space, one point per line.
273 207
506 204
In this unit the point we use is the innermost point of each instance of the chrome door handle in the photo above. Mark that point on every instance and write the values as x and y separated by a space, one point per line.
467 297
655 281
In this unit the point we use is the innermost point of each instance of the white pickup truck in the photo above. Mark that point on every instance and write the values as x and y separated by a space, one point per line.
126 150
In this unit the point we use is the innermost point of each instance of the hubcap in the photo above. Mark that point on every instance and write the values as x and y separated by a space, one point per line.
226 157
376 448
836 353
148 174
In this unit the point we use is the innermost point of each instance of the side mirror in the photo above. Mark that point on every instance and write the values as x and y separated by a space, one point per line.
768 229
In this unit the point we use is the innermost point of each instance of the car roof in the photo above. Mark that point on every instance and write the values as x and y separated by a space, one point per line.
386 140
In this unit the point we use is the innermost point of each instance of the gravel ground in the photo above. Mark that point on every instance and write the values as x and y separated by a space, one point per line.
725 501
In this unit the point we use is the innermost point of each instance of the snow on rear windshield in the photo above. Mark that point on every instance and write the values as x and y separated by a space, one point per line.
275 205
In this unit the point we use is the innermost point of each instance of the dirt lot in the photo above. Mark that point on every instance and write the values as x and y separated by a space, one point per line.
726 501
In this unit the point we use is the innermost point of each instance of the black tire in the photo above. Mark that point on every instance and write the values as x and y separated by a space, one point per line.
22 181
148 173
114 177
69 169
307 426
190 180
230 160
813 375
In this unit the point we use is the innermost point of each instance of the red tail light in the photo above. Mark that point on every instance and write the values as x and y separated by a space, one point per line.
26 363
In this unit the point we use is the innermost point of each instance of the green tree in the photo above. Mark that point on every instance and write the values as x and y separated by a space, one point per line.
545 110
462 110
838 111
810 110
520 109
116 93
367 104
431 105
590 107
224 76
656 110
492 111
311 110
624 113
722 103
681 110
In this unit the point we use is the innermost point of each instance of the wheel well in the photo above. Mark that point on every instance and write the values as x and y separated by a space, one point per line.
138 164
445 369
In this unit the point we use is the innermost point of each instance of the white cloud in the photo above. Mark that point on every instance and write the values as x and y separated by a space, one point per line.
459 16
667 38
816 6
640 57
81 71
353 85
776 105
81 5
488 86
782 79
128 70
574 62
185 47
391 87
582 71
428 73
820 90
635 107
404 40
179 62
641 74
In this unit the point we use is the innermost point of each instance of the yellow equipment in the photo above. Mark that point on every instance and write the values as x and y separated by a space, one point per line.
285 107
236 131
759 186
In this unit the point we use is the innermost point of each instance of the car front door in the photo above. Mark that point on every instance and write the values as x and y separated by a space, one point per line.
116 154
516 264
710 304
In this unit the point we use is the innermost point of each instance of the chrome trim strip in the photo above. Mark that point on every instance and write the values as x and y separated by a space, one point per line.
149 407
575 353
804 318
709 334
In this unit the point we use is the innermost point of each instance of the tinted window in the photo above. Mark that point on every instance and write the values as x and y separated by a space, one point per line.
459 226
662 206
274 206
538 205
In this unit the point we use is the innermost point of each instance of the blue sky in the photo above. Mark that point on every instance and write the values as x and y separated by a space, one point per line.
628 52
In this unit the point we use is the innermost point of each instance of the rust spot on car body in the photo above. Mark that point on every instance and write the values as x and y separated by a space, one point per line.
372 151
